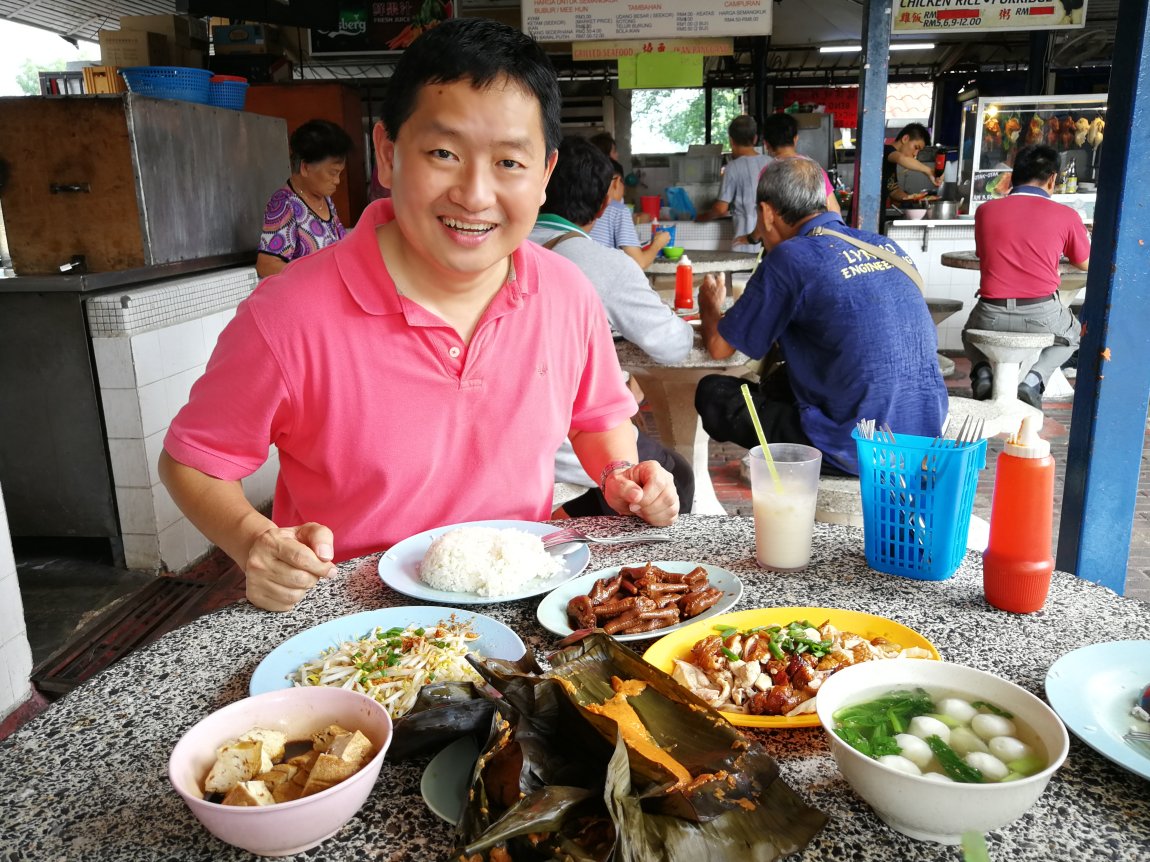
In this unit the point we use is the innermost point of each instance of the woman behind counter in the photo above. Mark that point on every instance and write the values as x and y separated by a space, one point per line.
300 217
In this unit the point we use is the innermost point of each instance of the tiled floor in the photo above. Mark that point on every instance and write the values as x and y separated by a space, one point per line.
65 587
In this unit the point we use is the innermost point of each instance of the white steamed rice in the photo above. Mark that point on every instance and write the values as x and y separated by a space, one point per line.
486 561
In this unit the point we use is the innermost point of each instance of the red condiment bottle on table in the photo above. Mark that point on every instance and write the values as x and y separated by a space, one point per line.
1017 563
684 286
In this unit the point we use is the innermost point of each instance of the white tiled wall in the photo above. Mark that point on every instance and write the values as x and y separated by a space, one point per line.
15 654
696 236
941 281
150 347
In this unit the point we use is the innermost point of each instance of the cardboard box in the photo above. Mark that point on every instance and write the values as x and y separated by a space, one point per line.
181 30
133 48
247 39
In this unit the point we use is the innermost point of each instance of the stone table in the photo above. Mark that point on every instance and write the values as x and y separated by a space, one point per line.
87 778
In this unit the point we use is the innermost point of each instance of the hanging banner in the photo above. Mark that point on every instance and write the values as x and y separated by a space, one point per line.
840 102
932 16
613 50
592 20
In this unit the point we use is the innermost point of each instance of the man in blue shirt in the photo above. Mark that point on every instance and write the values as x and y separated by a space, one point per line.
854 330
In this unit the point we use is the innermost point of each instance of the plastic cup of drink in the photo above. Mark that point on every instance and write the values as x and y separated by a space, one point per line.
785 512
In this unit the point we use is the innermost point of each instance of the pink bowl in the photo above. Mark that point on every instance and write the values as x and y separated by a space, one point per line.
914 214
287 827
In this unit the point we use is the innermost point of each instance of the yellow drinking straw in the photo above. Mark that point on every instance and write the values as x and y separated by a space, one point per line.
762 439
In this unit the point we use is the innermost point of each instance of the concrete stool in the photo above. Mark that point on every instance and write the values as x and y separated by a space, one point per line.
1006 352
839 501
940 310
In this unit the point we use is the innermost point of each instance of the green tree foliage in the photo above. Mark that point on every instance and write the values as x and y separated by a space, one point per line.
28 78
687 124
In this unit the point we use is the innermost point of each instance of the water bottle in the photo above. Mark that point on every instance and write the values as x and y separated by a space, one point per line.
1017 563
684 286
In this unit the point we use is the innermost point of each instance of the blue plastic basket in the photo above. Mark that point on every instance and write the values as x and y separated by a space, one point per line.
917 498
226 91
168 82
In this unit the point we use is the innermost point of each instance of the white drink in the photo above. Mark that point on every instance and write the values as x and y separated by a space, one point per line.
783 527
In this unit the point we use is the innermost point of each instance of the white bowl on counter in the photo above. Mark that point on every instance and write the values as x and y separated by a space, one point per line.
922 808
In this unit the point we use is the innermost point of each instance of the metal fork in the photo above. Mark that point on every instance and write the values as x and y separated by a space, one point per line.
570 534
1136 736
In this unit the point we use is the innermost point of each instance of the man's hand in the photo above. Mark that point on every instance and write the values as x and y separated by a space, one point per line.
712 293
646 490
660 239
285 562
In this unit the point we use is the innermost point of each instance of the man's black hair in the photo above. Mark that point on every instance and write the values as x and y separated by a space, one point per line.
743 131
579 183
617 167
481 52
317 140
780 130
1036 162
914 131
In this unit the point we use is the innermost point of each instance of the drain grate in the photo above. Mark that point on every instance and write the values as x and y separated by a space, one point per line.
144 616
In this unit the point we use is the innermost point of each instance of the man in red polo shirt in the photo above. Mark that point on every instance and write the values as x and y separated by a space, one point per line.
1020 240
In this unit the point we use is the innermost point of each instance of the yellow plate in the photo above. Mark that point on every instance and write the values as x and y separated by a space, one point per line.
678 644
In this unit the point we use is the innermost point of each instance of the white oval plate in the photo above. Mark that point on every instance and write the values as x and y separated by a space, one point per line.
495 640
552 611
399 566
447 777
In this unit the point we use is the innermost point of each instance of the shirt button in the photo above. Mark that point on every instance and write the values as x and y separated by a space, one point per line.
453 352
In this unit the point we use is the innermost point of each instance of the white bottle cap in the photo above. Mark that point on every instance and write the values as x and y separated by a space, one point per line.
1026 443
684 261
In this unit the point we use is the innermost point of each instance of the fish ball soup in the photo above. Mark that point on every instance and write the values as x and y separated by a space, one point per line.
941 737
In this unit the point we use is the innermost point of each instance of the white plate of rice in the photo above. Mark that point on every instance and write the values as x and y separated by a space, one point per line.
481 562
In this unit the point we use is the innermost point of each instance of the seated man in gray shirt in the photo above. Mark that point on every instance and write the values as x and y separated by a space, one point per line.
576 196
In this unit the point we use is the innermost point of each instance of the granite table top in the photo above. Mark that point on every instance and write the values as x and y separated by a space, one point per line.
969 260
87 778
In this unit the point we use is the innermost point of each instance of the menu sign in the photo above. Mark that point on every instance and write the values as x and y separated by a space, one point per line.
597 20
613 50
932 16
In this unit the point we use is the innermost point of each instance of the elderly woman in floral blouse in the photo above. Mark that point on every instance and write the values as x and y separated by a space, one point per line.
300 217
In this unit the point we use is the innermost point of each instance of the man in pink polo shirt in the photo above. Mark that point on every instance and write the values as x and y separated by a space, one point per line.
1019 240
424 371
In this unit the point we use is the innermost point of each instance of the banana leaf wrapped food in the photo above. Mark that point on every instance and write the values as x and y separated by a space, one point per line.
606 758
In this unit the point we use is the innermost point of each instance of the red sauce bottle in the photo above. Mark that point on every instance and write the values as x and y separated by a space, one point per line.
684 286
1017 563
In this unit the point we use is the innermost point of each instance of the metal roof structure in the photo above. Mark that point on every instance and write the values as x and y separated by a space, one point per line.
801 27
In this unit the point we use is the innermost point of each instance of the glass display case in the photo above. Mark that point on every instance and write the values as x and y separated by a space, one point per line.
995 129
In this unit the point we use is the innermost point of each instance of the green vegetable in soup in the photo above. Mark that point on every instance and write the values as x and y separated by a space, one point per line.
990 707
952 764
870 727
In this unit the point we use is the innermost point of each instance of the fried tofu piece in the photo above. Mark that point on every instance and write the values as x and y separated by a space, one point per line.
285 780
235 762
273 742
322 740
351 747
328 771
250 794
